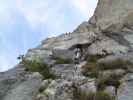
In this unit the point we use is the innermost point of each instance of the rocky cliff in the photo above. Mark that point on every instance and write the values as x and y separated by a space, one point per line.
102 71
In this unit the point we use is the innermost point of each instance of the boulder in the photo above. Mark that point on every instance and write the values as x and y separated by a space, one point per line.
58 90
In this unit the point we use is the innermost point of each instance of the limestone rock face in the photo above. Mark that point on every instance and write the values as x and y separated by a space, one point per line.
57 45
67 40
17 84
113 14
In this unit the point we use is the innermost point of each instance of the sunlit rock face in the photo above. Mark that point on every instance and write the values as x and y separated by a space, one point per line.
113 14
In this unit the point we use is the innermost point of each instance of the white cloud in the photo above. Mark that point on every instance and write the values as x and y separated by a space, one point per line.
86 7
31 11
6 62
40 12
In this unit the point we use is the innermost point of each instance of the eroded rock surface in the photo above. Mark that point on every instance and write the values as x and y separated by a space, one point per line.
112 15
17 84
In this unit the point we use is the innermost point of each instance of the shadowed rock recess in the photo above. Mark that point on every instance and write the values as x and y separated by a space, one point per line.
101 68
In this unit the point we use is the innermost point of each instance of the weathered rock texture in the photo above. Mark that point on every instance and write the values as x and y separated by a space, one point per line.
113 15
16 84
108 35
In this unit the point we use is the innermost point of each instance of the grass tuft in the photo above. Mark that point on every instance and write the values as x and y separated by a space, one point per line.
34 66
60 60
90 70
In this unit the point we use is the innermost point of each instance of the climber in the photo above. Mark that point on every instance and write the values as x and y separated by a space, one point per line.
77 55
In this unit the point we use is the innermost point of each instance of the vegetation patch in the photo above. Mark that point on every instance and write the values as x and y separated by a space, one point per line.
95 70
60 60
104 81
99 95
93 58
116 64
86 96
34 66
90 69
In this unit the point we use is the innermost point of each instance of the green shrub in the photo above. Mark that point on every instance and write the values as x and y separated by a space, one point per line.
93 58
90 69
100 95
34 66
114 81
101 84
86 96
60 60
116 64
104 81
41 89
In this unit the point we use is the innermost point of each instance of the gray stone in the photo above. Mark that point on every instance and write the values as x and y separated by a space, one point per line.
64 71
64 54
60 43
106 44
88 87
85 27
16 84
126 90
111 15
59 90
110 90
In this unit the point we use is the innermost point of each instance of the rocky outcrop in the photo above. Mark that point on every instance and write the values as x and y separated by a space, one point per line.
70 82
106 53
113 15
17 84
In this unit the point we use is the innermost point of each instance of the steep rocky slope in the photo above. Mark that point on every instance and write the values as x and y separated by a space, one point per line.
103 72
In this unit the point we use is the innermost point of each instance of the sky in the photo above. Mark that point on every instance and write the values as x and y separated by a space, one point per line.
24 23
